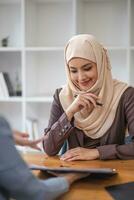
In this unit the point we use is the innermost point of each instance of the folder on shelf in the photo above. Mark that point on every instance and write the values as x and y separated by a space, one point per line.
32 128
3 86
73 170
9 84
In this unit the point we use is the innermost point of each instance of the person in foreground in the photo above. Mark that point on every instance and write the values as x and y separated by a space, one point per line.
93 111
16 180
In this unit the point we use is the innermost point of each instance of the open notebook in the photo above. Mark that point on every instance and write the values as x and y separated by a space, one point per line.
73 170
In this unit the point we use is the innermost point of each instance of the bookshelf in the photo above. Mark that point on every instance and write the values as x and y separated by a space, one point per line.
37 31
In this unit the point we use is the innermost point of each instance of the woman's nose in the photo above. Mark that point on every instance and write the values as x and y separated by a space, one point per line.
81 76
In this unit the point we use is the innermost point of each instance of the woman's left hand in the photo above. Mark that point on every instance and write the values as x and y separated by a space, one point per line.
22 139
80 153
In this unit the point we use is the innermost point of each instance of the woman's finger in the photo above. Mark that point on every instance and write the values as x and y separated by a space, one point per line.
77 157
68 156
92 95
89 98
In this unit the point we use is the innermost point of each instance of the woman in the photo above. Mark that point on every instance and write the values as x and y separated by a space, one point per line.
92 111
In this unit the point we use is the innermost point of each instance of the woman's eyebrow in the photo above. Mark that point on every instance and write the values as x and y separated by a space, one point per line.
88 64
72 67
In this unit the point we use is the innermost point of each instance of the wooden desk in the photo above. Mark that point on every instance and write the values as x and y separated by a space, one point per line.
91 188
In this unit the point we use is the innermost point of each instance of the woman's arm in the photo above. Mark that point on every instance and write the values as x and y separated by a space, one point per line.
123 151
59 128
115 150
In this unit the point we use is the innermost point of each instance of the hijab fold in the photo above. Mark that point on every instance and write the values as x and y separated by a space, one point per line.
107 89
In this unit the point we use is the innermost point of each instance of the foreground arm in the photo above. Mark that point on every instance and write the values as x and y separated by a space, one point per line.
16 180
22 139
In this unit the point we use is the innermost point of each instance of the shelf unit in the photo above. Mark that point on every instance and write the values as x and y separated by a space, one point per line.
38 31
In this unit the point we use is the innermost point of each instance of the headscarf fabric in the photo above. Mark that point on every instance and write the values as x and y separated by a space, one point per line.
109 90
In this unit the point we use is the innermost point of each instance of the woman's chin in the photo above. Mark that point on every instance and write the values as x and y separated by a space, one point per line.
85 88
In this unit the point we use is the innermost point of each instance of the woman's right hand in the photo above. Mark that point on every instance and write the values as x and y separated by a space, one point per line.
82 101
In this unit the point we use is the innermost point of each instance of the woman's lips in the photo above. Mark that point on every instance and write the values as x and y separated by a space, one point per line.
84 83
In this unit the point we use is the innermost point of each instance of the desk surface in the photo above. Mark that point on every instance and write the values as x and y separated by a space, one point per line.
91 188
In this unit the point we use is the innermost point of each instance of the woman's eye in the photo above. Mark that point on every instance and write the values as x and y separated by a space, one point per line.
88 68
73 71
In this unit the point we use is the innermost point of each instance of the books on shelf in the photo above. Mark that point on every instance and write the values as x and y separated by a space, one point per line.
3 86
9 84
6 88
32 128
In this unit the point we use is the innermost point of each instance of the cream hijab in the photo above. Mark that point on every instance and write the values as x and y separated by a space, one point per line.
108 90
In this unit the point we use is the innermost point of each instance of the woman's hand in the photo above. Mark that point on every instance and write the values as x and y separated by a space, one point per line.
80 153
82 101
21 139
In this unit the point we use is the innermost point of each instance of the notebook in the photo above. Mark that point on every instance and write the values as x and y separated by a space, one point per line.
123 191
74 170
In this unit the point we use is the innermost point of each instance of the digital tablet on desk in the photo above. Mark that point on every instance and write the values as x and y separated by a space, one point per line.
74 170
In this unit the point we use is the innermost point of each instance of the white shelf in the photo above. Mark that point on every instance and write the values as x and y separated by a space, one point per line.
51 19
11 99
118 60
132 23
10 22
131 74
107 20
10 49
47 76
9 1
116 47
39 112
44 48
12 111
39 99
10 62
38 31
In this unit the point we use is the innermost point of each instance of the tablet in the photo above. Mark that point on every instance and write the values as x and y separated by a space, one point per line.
74 170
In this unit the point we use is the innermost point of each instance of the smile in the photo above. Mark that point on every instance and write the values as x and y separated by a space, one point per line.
84 83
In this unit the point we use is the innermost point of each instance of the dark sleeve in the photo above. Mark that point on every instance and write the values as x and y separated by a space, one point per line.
124 151
16 180
58 130
2 195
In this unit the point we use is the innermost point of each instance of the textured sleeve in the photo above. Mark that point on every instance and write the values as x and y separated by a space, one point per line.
124 151
16 180
56 187
59 128
115 151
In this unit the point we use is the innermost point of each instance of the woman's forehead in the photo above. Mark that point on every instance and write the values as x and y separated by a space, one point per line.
76 61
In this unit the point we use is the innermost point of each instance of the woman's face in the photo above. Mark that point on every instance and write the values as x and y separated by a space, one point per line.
83 73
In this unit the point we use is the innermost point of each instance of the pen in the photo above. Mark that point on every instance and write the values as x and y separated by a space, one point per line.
97 103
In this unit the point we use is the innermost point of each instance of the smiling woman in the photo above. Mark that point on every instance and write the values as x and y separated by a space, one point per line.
93 110
83 73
